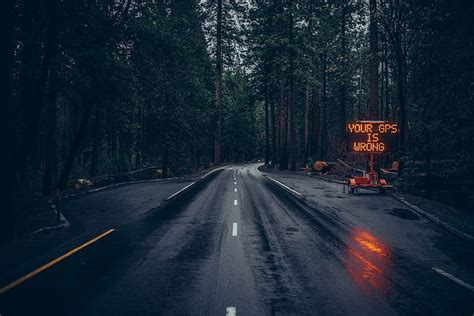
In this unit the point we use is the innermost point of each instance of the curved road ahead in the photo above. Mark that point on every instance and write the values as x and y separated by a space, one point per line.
238 243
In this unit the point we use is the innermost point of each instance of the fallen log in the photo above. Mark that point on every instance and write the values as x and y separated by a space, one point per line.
323 166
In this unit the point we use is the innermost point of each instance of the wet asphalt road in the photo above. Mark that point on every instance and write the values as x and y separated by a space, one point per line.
238 240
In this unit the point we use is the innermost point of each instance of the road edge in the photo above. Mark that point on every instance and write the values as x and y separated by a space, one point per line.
63 221
194 183
286 187
110 186
433 218
416 209
113 185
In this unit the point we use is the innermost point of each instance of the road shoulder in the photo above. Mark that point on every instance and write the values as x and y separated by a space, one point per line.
456 222
89 215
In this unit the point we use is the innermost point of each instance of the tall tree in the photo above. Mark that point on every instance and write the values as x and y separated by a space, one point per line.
291 82
218 139
395 18
51 163
7 132
344 70
373 60
324 116
223 26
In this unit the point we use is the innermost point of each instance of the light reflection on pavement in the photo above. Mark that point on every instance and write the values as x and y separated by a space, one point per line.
366 257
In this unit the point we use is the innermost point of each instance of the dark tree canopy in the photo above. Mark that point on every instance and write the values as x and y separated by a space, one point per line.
92 88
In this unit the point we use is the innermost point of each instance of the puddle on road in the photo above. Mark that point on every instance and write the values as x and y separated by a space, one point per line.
367 259
404 214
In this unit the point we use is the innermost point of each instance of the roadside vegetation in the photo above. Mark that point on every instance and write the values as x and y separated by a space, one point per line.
92 88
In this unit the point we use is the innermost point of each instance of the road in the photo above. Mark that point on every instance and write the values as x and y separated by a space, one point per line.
239 242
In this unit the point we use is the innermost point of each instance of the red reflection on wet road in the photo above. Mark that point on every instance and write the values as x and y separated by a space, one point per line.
366 255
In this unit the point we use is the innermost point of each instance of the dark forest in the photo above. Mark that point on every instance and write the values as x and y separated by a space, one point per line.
109 87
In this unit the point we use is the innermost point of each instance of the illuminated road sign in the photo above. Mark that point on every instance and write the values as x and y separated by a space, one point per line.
372 136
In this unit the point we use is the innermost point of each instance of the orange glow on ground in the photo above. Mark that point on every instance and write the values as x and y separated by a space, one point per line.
371 243
366 257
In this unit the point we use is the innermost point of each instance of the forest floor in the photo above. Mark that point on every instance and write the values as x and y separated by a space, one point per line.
461 220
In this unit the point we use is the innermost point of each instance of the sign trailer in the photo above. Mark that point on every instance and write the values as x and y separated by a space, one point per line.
370 137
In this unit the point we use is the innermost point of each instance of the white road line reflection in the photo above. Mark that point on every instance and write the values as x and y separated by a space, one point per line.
453 278
234 229
231 311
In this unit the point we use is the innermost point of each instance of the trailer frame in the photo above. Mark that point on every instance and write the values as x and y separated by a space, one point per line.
369 180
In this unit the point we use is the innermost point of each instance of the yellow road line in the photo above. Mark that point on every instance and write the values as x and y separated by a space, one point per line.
51 263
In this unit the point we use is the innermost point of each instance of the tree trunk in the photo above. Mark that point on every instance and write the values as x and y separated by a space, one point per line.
139 140
267 132
359 96
50 169
219 68
7 127
32 101
291 96
291 132
29 60
195 153
76 143
342 88
121 151
282 131
373 60
323 142
383 64
274 127
306 124
97 143
401 98
387 90
316 124
165 143
165 162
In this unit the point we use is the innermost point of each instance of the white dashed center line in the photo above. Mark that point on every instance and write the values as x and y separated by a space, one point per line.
234 229
235 182
235 202
235 190
231 311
